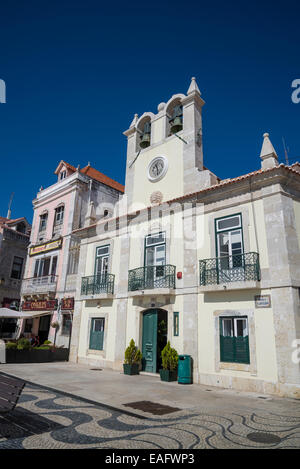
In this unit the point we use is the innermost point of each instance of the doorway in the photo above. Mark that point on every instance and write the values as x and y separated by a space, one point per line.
155 335
44 327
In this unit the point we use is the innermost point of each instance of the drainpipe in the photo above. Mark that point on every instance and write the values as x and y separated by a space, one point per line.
253 215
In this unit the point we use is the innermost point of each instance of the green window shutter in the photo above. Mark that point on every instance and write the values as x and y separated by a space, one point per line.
234 349
227 349
242 349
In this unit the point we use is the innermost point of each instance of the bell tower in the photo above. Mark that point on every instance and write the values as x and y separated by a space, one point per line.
165 151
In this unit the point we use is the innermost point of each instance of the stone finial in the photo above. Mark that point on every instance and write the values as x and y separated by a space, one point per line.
193 87
268 155
134 121
161 107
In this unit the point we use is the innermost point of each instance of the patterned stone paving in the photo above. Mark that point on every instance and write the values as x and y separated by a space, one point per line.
49 420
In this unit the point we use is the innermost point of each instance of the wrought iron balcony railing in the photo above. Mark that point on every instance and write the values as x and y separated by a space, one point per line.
39 284
96 284
236 268
151 277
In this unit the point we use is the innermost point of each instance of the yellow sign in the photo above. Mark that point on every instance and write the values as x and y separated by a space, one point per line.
34 250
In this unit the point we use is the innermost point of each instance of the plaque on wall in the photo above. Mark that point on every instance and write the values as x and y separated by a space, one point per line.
262 301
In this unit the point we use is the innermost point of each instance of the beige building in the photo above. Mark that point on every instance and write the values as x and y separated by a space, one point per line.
213 266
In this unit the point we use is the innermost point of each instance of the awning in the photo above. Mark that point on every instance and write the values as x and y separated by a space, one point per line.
10 313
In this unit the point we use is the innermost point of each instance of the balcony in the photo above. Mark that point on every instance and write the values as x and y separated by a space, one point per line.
236 272
98 286
160 278
37 285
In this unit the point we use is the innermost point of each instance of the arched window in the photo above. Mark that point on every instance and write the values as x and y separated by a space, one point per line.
144 133
58 220
62 175
59 215
43 222
174 113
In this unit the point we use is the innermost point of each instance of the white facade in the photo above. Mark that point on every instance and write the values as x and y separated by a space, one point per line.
218 261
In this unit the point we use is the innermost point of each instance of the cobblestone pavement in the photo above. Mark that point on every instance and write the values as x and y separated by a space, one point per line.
47 419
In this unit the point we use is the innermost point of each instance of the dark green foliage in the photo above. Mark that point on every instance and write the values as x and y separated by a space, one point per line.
132 354
11 345
23 344
169 358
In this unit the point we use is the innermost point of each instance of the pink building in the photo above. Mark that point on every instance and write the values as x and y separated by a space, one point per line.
79 197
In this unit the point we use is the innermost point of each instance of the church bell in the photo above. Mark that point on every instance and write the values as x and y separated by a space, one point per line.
145 138
176 121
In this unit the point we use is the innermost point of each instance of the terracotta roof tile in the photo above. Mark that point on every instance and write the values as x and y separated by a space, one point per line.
216 186
95 174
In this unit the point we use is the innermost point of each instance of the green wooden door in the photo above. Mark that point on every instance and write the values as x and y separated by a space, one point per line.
97 334
149 348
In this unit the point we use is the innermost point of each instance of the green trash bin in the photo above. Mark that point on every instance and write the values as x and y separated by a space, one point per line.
185 369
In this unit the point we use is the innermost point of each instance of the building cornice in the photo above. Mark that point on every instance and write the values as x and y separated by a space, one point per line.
250 182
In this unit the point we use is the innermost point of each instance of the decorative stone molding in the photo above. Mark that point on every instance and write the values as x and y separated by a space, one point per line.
156 198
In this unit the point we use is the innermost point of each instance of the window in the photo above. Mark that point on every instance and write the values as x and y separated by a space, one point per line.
66 324
102 258
234 340
28 325
53 265
17 266
155 255
176 323
45 266
59 215
63 175
97 334
228 223
21 227
43 222
229 243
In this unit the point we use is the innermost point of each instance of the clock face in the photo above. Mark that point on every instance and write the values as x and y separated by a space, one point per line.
157 168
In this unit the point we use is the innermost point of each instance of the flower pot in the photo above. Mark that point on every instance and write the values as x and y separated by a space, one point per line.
131 369
168 375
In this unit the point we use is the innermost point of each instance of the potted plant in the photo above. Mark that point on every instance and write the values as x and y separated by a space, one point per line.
55 326
133 357
169 364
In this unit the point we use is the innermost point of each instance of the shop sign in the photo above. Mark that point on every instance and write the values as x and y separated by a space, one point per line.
45 247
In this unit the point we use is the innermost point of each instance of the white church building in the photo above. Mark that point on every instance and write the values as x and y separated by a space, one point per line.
212 266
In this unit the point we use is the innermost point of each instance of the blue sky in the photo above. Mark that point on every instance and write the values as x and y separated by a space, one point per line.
77 71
